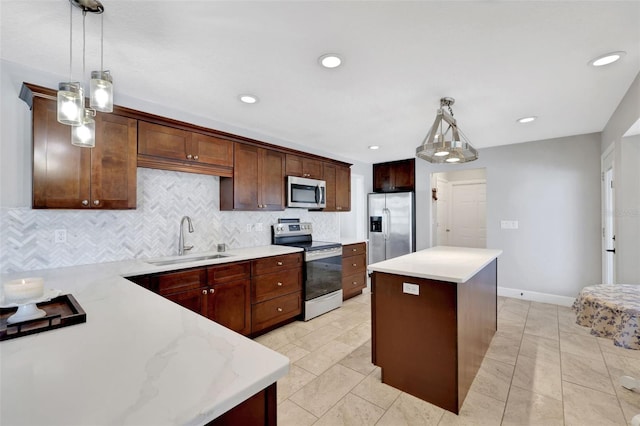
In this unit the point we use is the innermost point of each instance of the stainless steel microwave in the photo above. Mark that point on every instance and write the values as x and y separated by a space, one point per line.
306 193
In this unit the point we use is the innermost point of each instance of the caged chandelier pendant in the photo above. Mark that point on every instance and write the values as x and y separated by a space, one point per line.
446 145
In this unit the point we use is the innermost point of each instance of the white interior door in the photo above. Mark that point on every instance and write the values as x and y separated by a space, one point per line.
608 218
442 212
468 222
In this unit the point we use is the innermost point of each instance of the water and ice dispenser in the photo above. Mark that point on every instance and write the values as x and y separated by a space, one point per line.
375 224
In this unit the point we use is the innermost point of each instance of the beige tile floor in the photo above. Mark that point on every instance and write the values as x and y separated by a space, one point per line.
541 369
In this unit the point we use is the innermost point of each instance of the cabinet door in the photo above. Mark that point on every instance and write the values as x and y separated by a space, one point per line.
163 141
61 171
113 162
404 175
244 186
293 165
210 150
229 305
382 179
330 179
194 300
271 179
343 188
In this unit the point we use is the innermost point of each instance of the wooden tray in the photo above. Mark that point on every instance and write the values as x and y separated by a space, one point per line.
62 311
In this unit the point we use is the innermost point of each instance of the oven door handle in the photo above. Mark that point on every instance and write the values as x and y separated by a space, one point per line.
311 256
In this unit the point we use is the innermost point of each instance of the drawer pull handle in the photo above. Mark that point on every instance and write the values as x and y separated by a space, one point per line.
279 263
212 290
279 284
279 309
204 291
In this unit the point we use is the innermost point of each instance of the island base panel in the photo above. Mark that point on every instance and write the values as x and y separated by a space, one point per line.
415 337
260 409
431 345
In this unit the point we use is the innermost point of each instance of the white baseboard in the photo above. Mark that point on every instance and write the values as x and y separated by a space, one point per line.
535 296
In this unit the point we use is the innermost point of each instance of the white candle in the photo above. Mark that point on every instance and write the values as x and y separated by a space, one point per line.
23 289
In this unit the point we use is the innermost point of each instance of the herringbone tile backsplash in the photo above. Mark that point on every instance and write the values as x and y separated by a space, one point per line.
94 236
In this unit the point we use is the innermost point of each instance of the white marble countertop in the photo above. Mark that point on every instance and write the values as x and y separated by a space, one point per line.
139 359
453 264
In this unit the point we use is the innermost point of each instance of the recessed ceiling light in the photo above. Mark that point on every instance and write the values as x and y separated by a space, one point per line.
374 147
248 99
526 119
330 60
607 59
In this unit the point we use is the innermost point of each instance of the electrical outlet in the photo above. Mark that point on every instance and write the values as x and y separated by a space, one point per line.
60 236
509 224
411 288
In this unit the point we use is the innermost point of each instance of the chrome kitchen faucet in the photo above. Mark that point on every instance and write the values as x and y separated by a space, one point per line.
181 247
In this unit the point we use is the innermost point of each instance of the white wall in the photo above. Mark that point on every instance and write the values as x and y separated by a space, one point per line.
627 214
552 188
627 203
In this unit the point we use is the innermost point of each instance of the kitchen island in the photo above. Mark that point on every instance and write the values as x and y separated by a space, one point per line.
139 359
433 317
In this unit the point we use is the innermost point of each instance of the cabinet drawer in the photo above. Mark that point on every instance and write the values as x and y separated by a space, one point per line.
276 310
354 249
268 265
174 282
228 272
353 284
354 264
268 286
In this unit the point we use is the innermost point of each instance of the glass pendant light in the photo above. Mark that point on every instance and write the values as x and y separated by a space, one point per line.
84 135
70 95
101 85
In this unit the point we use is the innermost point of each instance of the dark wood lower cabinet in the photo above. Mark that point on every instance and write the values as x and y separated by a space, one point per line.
230 305
260 409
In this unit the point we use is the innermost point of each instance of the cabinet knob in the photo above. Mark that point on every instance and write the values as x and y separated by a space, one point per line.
355 283
195 157
279 309
212 290
96 202
355 249
355 264
189 156
279 284
85 202
279 263
204 291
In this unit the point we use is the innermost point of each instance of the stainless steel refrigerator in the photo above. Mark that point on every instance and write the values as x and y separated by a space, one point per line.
392 228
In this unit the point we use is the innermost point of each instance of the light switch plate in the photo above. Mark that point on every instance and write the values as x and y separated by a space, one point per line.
411 288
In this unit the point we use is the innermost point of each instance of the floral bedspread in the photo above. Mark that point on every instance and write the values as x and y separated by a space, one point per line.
611 310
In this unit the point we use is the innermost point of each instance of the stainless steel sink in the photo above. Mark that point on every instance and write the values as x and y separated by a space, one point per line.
186 259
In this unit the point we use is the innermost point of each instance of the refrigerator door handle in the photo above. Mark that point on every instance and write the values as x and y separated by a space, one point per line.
386 222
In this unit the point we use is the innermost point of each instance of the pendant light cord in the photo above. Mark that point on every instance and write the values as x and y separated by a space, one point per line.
84 16
70 42
101 41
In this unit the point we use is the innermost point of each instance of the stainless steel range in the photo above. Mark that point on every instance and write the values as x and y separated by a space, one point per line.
322 266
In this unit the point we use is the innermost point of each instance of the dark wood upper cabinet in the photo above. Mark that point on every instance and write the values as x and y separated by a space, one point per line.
257 182
338 179
70 177
394 176
304 167
170 148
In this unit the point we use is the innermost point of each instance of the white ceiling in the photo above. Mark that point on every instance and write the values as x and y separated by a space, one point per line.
499 60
